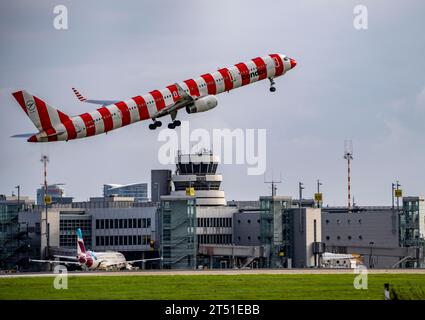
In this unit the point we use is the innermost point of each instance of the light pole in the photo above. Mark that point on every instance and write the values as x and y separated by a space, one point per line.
371 257
19 194
300 226
318 191
392 194
398 198
157 187
45 159
301 188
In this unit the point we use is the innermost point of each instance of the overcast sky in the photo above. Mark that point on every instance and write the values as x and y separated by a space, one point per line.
365 85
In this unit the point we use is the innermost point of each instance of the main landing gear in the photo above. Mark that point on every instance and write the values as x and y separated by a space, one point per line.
175 123
272 87
155 124
172 125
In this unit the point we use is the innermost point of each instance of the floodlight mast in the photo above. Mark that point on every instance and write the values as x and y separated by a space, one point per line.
348 155
45 159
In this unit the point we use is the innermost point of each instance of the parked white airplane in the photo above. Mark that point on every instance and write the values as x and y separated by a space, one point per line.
90 260
334 256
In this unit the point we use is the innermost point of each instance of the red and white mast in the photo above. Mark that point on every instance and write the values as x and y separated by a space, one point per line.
348 155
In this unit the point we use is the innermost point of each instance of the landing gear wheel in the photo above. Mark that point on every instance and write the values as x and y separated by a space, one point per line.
177 123
158 124
152 126
171 125
272 89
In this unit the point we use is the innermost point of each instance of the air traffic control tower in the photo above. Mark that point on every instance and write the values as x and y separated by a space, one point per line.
195 212
198 171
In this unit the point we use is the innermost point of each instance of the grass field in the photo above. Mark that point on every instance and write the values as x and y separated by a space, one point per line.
254 287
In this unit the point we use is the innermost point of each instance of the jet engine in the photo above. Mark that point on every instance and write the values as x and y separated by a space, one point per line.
203 104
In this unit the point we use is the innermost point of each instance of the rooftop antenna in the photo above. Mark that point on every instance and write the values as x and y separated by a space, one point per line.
348 155
273 183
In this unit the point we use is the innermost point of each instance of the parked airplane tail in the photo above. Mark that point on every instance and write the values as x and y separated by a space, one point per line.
43 116
80 242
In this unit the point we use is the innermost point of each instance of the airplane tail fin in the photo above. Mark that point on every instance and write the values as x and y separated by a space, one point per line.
80 242
40 113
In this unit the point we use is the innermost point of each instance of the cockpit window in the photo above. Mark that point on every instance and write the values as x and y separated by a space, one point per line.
286 58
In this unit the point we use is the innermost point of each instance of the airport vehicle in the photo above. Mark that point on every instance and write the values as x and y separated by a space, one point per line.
194 95
90 260
341 260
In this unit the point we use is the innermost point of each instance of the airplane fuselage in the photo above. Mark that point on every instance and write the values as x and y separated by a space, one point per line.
102 260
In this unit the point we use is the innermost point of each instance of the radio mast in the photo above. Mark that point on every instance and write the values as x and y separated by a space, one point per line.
273 183
348 155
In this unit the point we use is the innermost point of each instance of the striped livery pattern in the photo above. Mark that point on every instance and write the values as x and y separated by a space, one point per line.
54 125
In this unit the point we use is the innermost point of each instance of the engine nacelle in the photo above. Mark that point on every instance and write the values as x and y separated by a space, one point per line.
203 104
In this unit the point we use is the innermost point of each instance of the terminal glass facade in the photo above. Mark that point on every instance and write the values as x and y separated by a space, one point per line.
178 238
13 236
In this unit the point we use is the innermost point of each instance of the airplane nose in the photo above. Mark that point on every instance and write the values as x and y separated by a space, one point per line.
293 63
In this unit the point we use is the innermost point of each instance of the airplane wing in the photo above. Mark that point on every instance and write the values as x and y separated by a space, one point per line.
66 257
183 94
101 102
143 260
55 262
184 100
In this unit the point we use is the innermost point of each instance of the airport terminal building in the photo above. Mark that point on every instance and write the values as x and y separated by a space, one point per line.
192 226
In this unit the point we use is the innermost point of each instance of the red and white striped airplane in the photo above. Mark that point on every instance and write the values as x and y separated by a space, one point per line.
195 95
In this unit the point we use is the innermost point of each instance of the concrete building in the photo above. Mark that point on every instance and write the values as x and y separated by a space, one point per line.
372 232
178 232
43 229
247 228
127 230
293 236
14 242
241 234
160 184
214 224
138 191
306 237
196 204
105 226
412 227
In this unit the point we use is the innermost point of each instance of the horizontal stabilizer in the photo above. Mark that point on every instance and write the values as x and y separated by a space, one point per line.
23 135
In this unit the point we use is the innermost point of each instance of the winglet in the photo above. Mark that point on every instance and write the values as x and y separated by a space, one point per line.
100 102
78 94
